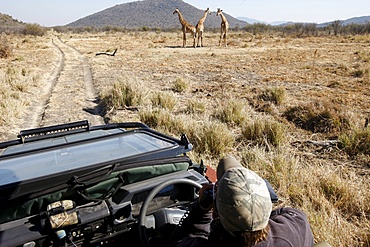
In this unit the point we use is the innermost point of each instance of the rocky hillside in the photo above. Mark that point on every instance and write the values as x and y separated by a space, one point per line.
152 14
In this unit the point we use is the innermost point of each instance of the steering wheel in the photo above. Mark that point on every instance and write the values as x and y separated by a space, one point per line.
149 198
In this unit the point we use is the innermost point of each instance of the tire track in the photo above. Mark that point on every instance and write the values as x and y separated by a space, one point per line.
70 96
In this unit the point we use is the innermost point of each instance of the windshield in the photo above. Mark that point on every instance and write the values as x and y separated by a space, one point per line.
79 155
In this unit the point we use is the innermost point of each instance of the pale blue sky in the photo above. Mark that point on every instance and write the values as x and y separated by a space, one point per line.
61 12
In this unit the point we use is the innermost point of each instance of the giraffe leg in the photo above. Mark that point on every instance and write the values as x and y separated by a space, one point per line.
201 39
184 39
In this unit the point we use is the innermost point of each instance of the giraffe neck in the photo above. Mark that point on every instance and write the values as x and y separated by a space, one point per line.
223 18
204 17
182 20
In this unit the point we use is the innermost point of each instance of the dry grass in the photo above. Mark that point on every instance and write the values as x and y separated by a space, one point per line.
5 48
271 101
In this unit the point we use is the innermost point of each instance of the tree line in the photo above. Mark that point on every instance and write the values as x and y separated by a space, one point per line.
294 29
310 29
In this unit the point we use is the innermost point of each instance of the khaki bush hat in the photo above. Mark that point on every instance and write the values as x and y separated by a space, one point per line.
243 201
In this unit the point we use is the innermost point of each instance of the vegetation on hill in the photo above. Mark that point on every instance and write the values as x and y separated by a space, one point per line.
152 14
10 25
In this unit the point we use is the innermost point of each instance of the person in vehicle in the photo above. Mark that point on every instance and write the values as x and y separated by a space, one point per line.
242 214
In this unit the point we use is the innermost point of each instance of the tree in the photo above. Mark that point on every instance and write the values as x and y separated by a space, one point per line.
336 25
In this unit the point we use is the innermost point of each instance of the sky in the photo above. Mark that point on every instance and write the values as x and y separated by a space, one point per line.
61 12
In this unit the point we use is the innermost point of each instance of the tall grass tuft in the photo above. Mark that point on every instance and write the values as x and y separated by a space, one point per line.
232 112
180 85
211 137
318 117
194 106
356 142
207 137
121 95
277 167
164 100
6 50
265 132
276 95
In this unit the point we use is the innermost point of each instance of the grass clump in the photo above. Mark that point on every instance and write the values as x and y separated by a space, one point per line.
356 142
207 137
317 118
163 120
232 112
275 95
121 95
153 118
5 48
180 85
211 137
277 167
164 100
264 132
195 106
345 197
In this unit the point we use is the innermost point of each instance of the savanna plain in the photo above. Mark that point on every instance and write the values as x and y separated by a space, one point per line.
293 109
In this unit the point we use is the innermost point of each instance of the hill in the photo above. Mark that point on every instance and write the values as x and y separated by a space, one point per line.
7 23
357 20
152 14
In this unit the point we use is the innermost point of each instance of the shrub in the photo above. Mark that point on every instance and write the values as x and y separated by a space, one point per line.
317 118
264 132
34 29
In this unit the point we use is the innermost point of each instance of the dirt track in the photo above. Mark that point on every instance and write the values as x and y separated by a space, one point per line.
67 94
71 91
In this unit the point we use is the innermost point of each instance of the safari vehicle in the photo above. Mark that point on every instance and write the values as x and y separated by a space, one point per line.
80 185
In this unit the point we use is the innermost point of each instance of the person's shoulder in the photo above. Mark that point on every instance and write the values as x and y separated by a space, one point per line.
291 225
288 213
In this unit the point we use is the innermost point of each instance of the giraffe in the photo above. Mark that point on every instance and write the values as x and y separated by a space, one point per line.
224 26
200 27
186 28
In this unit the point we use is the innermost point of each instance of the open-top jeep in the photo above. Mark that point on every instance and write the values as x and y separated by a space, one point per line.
79 185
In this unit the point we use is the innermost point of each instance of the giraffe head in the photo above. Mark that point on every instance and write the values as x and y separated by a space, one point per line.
176 11
219 11
208 11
